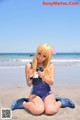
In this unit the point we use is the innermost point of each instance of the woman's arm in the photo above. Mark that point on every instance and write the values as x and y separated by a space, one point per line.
29 74
48 79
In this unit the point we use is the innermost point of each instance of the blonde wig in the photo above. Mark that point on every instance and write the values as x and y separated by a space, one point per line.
46 50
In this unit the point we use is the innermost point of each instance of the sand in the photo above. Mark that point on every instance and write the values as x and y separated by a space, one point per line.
7 95
67 84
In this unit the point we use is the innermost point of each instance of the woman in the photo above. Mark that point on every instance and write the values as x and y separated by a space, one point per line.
40 74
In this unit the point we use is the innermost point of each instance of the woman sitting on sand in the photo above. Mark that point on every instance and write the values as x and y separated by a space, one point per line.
40 74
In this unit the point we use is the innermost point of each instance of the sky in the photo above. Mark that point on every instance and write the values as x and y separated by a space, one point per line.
24 24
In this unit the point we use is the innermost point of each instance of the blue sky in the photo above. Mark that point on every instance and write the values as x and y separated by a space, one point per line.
24 24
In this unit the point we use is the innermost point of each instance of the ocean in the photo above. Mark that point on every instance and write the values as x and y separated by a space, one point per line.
9 60
12 68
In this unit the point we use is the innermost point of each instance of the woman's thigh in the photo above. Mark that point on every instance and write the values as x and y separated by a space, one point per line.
50 99
37 103
36 99
49 104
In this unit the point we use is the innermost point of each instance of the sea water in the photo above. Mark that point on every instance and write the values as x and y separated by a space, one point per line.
12 68
8 60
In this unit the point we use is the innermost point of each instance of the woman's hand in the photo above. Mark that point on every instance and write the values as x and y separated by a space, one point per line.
41 74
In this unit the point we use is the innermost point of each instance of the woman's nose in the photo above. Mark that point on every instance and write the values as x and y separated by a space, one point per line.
40 57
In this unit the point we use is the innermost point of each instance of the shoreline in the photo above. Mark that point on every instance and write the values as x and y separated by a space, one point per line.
64 75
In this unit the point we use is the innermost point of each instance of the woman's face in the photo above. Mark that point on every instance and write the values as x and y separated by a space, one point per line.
41 58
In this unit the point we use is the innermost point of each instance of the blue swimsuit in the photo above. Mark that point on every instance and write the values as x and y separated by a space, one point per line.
40 88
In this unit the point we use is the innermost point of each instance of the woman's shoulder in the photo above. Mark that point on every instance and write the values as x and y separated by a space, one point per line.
28 65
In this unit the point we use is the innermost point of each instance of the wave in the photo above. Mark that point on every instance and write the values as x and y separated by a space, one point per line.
66 60
29 60
21 60
20 63
53 60
11 67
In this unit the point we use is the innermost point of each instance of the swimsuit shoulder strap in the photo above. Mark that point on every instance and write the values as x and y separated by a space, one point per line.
30 64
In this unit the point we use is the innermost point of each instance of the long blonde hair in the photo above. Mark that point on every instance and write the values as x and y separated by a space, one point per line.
46 50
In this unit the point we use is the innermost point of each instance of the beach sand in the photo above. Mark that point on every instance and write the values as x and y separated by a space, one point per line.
73 92
13 86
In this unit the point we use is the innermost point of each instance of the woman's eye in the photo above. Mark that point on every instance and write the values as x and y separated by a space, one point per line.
39 53
44 56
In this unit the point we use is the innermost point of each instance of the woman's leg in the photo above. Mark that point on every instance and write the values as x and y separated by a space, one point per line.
50 105
35 105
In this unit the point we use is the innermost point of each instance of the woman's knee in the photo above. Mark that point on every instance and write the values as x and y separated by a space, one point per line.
50 110
38 109
35 109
